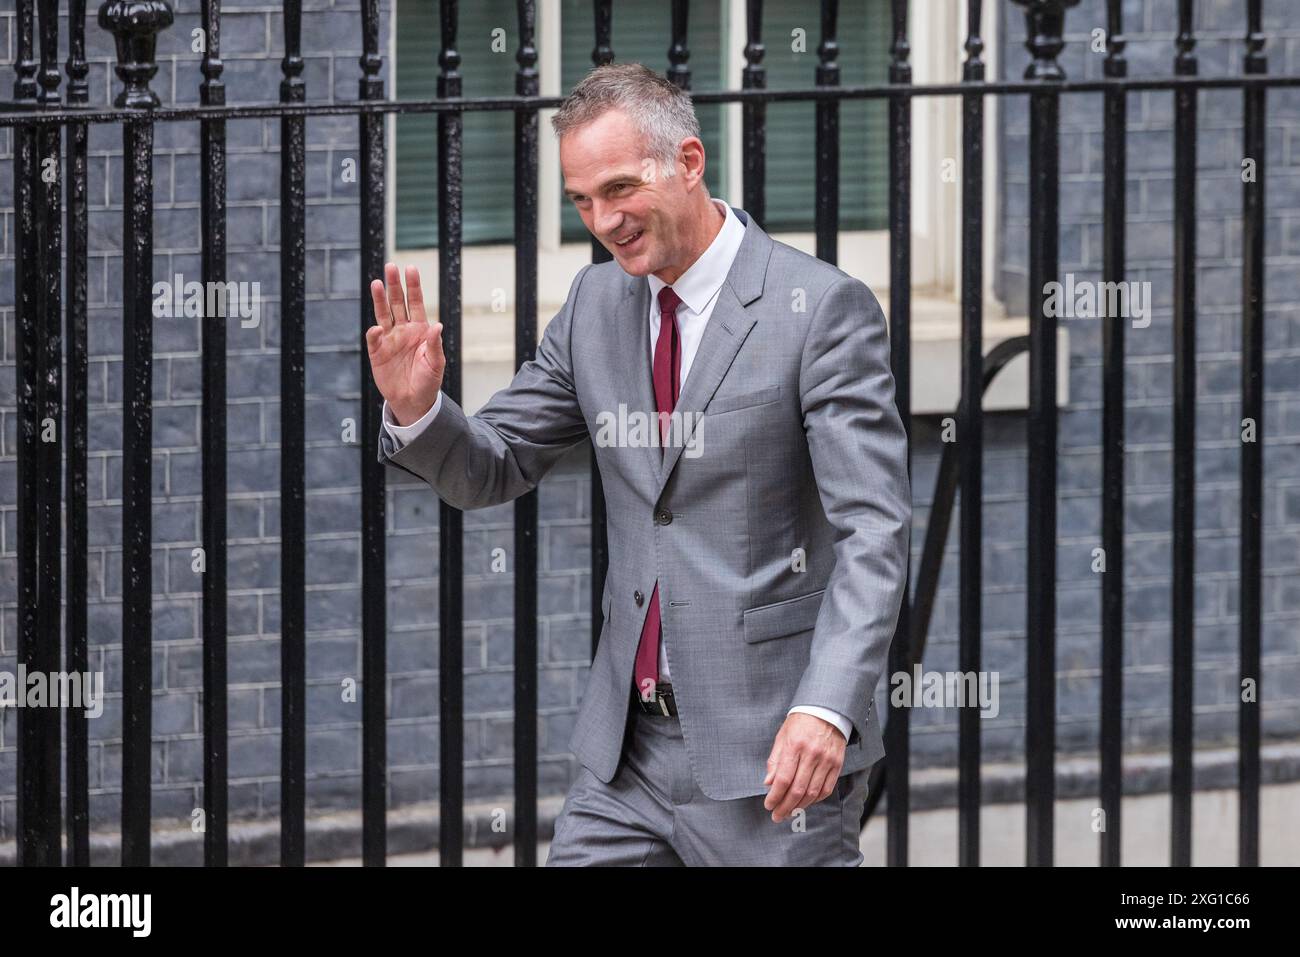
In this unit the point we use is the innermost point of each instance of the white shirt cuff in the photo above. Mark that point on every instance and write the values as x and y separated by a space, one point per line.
826 714
405 434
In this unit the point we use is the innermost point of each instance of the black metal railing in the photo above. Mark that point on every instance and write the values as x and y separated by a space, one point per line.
51 222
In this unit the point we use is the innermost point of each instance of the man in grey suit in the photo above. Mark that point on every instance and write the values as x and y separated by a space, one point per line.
740 402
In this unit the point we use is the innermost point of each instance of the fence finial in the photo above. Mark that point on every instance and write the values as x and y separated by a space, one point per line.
1115 64
1044 32
135 25
1256 61
900 71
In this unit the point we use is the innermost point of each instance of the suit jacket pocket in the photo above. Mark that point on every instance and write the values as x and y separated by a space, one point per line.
730 403
783 618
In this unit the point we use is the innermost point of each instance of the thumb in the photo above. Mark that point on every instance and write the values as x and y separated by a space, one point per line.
374 337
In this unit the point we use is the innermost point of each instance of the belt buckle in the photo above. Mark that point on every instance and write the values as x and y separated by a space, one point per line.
660 697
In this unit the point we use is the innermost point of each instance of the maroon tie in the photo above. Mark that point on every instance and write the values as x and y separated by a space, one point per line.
667 380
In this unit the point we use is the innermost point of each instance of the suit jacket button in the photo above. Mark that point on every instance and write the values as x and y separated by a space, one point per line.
638 598
663 516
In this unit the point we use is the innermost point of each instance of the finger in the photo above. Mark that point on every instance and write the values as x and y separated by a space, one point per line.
785 772
396 298
378 346
816 784
774 757
794 795
415 295
773 761
431 351
380 299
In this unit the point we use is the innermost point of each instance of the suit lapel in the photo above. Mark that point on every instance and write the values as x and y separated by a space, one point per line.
724 333
638 372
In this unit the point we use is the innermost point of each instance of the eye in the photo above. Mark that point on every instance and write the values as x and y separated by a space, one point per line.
618 187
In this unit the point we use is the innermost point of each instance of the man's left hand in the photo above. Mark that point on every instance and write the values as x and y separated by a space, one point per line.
804 764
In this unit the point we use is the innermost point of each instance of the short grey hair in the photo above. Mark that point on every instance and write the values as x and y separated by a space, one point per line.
660 110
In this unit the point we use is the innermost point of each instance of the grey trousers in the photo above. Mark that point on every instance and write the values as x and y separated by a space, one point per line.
652 814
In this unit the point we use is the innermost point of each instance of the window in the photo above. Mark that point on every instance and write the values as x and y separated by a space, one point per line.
863 35
716 38
641 32
489 157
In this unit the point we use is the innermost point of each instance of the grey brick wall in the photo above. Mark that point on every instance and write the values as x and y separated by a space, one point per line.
251 50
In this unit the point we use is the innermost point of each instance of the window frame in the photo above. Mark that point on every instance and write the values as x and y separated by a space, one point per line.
936 55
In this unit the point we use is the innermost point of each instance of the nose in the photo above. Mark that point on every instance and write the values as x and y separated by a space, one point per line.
605 217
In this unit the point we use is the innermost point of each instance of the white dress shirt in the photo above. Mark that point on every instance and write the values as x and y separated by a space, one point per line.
698 289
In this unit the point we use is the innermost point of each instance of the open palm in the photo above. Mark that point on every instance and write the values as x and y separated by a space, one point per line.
406 357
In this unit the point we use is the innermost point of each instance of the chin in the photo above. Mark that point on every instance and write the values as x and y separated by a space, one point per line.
638 268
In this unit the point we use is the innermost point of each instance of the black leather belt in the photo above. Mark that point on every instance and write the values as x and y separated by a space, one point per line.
660 703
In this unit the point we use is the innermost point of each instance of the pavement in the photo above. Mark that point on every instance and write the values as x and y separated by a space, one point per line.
1144 840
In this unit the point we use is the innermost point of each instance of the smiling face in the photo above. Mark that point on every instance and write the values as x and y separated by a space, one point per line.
622 194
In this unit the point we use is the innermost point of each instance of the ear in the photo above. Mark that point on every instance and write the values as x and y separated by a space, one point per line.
691 155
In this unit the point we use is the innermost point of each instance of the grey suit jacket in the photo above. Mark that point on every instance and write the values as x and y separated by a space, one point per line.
779 540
